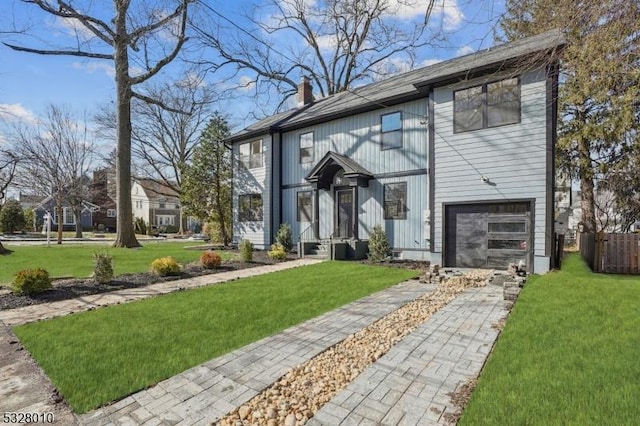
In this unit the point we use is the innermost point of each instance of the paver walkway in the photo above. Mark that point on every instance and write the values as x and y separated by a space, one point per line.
209 391
410 385
12 317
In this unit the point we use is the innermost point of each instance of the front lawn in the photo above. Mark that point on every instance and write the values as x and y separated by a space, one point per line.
100 356
568 354
76 260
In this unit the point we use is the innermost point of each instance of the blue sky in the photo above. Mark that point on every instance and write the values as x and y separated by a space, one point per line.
28 82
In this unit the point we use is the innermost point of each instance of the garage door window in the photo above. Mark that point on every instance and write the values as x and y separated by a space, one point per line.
507 244
507 227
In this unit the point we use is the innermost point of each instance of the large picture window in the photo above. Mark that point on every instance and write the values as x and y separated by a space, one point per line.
395 200
306 147
250 208
488 105
391 128
251 154
305 206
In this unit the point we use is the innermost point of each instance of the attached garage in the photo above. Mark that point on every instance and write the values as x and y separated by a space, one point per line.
488 235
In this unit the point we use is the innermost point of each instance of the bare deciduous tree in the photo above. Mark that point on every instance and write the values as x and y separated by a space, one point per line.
135 39
56 156
335 43
163 141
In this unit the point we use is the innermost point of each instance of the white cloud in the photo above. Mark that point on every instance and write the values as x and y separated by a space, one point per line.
246 83
451 14
464 50
95 66
73 27
11 112
431 61
407 9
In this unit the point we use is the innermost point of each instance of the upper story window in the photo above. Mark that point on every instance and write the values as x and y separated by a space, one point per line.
251 154
162 205
391 128
395 200
306 147
111 212
250 207
488 105
305 206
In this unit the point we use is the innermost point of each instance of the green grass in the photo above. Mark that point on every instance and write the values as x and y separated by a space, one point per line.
569 354
76 260
104 355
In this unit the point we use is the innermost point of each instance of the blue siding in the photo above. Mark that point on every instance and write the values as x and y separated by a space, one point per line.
253 181
358 137
512 157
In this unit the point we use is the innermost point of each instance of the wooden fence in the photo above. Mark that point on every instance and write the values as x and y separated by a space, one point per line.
611 253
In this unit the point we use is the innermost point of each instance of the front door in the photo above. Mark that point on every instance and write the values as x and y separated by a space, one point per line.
344 213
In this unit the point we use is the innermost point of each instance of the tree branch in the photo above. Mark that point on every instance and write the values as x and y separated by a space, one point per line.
60 52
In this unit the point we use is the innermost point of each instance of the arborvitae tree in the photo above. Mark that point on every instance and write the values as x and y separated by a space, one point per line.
206 187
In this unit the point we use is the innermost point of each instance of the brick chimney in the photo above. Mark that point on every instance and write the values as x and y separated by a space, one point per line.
305 95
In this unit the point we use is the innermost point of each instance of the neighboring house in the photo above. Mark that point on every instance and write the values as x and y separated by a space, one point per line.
156 203
48 205
454 160
103 194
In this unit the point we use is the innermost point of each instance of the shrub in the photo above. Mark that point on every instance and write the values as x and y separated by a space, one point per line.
31 281
11 217
164 266
102 267
140 225
29 219
246 251
283 237
379 249
210 259
277 252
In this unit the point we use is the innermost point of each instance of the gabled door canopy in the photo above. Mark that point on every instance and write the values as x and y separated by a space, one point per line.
323 172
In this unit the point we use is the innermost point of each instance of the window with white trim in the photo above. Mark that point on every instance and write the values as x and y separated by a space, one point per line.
111 212
306 147
251 154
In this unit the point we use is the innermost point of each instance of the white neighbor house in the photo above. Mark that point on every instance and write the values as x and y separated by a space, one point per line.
155 202
454 160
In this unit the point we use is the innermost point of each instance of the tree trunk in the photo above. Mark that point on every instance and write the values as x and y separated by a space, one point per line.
77 215
3 250
181 228
60 218
125 235
586 187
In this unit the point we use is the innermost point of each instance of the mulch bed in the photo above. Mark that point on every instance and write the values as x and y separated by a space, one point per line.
71 288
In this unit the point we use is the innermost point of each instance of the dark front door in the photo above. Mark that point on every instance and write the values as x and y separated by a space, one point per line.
344 213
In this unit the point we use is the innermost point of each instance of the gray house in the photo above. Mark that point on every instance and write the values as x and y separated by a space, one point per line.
454 160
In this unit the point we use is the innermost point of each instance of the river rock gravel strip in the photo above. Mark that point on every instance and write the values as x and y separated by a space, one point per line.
304 390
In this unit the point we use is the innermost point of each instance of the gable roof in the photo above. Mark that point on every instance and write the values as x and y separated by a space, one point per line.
408 86
155 188
323 172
